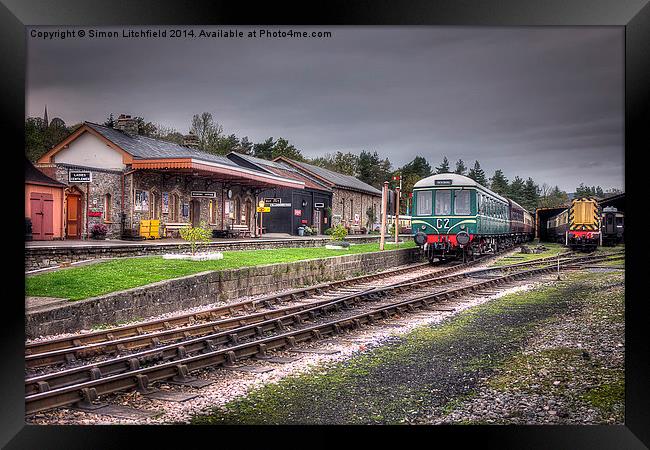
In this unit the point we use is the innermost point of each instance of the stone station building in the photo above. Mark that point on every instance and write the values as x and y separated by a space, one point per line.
351 199
291 208
117 177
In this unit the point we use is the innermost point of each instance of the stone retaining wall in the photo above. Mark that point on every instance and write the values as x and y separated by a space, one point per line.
202 289
43 257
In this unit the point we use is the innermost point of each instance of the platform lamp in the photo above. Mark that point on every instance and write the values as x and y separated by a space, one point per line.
261 204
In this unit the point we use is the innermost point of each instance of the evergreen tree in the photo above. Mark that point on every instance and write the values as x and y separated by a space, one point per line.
264 149
444 167
460 167
531 195
516 191
245 146
207 131
477 174
283 148
371 169
499 183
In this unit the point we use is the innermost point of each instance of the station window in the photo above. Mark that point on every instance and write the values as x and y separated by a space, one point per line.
461 202
107 208
443 202
424 203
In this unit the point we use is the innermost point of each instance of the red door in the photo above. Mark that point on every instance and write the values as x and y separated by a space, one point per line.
42 206
73 217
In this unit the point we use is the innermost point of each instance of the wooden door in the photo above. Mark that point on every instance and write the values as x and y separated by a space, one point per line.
73 217
195 213
318 221
42 215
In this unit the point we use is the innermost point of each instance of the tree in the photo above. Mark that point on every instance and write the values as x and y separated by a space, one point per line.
207 131
40 138
531 195
499 183
110 121
460 167
283 148
516 191
345 163
444 167
372 169
245 146
419 166
227 144
477 174
552 197
168 134
264 149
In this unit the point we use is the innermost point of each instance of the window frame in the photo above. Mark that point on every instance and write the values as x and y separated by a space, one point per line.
418 203
435 204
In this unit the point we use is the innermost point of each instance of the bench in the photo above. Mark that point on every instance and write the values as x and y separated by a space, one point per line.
239 230
175 226
355 229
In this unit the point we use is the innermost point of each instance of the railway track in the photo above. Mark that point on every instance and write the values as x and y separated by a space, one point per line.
176 361
73 349
68 349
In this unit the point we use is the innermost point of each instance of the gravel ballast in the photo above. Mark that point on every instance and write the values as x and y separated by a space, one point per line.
478 367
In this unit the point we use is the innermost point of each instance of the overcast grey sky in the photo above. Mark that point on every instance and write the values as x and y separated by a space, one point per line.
539 102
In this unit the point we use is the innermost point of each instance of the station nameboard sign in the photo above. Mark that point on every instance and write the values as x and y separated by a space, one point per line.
443 182
207 194
280 205
273 200
80 176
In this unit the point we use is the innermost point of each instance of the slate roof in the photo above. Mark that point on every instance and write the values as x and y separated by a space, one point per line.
338 179
142 147
282 170
33 175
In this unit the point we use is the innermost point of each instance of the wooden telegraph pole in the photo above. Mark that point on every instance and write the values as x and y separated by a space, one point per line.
384 200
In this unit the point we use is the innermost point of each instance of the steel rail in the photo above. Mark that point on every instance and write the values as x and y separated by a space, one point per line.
102 384
158 338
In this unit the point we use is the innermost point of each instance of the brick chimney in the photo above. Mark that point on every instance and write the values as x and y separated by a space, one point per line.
191 140
127 125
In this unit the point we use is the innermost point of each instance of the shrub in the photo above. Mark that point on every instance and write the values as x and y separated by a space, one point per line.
98 231
328 231
194 235
339 232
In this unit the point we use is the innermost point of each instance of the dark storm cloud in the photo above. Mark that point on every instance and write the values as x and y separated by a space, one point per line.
540 102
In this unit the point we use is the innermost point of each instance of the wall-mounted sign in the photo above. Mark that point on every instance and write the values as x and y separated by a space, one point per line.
272 200
204 194
185 210
303 221
356 218
297 212
141 201
263 209
229 193
94 213
319 205
80 176
165 202
442 183
280 205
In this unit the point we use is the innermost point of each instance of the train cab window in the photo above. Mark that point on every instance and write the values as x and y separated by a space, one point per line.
443 202
461 202
424 203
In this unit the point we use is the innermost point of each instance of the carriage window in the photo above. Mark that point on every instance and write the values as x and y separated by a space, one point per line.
443 202
461 202
424 203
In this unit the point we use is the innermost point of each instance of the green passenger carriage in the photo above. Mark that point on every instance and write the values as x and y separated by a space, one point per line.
454 216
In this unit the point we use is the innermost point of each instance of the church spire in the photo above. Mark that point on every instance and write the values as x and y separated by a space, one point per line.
47 122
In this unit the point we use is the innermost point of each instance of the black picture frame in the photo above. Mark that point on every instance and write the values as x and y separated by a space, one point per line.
634 15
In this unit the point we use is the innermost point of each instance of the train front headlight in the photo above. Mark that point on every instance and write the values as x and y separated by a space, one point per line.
462 238
420 238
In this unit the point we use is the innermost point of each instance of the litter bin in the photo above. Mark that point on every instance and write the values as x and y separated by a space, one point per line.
301 231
